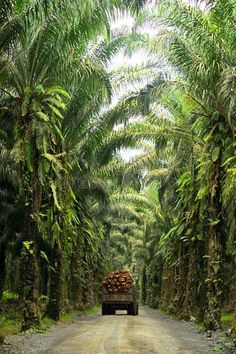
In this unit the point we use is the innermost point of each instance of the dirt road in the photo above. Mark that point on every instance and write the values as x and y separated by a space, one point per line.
149 332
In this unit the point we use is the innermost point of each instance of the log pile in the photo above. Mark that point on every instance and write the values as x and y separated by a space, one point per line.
118 282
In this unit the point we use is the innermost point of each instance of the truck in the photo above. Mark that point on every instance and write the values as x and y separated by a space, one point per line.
119 301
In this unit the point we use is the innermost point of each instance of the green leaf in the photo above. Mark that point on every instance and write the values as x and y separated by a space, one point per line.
56 103
42 116
56 230
50 157
199 237
215 222
29 155
59 133
208 137
56 111
72 194
28 245
44 256
46 166
54 192
229 160
59 90
231 170
215 153
180 229
203 192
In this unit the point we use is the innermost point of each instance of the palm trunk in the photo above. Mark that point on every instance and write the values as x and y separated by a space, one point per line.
76 286
192 280
2 267
144 286
167 287
32 193
89 298
180 288
30 276
153 288
56 293
214 279
234 325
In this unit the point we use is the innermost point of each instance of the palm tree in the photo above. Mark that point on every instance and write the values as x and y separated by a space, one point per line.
8 189
204 56
49 43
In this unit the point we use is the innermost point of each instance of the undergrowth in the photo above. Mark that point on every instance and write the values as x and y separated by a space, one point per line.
10 316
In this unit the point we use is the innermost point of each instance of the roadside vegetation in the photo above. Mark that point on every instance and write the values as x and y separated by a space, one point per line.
71 207
11 317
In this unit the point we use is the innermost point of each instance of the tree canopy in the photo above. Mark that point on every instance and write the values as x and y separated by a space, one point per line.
71 207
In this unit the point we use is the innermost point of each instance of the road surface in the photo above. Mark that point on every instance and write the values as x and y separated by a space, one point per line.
146 333
149 332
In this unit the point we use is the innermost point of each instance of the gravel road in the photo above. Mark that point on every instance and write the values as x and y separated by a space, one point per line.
149 332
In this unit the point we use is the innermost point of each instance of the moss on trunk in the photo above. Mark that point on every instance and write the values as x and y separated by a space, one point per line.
144 286
2 267
214 252
192 281
30 281
75 269
214 283
56 293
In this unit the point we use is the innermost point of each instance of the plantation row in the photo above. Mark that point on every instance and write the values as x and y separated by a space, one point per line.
71 208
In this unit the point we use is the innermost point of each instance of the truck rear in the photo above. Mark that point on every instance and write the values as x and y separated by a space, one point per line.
126 301
118 293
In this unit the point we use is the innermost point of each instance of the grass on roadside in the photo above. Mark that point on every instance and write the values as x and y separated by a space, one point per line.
92 309
10 318
69 316
200 325
8 296
226 321
222 343
10 323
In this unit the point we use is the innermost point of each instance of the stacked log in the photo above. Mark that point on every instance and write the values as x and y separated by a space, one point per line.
118 282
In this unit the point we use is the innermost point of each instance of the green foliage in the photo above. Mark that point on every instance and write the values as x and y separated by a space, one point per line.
227 319
8 295
10 323
72 315
28 246
170 212
222 344
45 324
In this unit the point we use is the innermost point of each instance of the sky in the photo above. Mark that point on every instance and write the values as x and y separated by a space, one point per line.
126 21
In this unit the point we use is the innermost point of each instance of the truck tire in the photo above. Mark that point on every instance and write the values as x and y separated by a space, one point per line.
109 310
104 309
112 311
131 310
134 309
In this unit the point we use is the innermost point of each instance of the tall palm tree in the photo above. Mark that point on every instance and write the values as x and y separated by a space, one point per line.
203 54
51 49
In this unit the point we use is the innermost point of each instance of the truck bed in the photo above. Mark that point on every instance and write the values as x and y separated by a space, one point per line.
125 301
118 298
113 298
